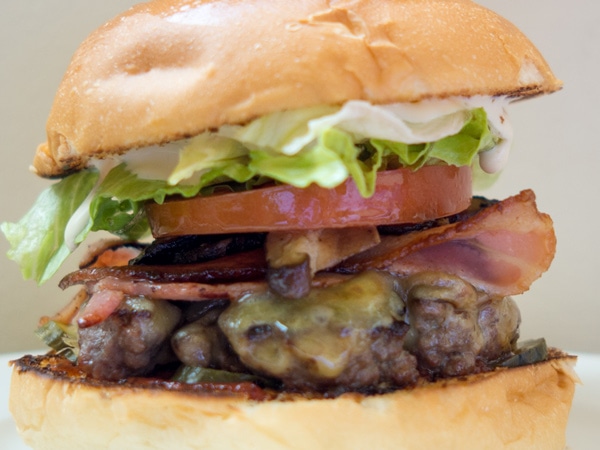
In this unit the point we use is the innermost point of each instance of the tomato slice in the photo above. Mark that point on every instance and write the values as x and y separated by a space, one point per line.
401 196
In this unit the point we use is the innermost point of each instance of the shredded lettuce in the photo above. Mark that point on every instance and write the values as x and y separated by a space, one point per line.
320 165
334 156
286 132
211 158
324 146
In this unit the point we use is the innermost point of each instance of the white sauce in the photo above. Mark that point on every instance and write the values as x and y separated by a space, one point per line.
494 160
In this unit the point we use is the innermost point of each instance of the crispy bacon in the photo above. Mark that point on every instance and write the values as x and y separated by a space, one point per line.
108 253
245 266
501 250
178 291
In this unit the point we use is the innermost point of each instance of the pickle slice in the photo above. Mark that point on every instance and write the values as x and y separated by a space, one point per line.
191 375
528 352
59 338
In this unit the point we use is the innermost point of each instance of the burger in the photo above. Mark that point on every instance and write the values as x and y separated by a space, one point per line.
299 260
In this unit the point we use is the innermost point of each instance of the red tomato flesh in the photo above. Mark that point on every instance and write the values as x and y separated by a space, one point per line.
401 196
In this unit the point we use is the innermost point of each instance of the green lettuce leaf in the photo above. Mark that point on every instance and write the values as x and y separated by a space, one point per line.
211 158
319 165
274 132
460 149
117 206
37 240
362 166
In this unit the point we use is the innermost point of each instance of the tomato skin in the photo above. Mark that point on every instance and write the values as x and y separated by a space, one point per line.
401 196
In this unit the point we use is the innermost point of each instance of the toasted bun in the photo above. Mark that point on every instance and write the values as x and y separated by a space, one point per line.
521 408
173 68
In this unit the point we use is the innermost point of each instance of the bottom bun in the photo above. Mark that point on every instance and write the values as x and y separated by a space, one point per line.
56 407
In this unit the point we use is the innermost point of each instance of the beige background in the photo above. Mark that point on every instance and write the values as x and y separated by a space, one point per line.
555 153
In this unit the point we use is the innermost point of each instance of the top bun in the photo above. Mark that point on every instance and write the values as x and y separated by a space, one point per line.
171 69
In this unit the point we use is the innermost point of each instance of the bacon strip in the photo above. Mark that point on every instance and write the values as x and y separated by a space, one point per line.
178 291
196 291
245 266
501 250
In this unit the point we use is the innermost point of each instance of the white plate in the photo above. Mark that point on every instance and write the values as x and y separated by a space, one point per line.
583 432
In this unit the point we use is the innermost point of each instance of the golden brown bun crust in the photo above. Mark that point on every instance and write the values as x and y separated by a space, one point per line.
522 408
173 68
